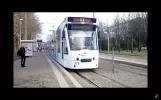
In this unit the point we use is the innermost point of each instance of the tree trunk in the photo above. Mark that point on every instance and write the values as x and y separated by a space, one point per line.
138 43
147 44
118 38
132 44
116 44
139 46
127 45
119 45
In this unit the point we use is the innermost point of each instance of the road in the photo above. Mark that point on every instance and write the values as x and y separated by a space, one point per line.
41 72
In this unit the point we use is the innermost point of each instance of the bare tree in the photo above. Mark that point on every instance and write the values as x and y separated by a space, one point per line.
16 33
117 31
33 26
102 28
123 32
129 33
102 35
137 30
130 25
107 29
144 27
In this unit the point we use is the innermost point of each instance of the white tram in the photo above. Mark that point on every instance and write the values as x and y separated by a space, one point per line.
75 44
28 44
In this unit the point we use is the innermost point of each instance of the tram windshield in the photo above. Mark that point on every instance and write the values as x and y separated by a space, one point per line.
80 39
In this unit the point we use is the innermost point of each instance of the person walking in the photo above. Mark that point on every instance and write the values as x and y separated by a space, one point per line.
22 54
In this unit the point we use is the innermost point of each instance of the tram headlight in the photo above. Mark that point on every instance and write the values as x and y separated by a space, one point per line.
93 58
77 58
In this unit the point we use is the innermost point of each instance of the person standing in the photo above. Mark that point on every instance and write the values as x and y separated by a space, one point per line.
23 58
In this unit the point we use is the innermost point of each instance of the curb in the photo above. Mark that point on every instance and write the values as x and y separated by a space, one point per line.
128 63
72 79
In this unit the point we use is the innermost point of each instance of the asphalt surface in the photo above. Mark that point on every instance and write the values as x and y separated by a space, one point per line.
37 73
15 57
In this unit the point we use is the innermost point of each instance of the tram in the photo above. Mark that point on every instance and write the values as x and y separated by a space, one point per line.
75 43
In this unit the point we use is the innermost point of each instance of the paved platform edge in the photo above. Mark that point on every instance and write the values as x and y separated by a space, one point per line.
73 80
128 63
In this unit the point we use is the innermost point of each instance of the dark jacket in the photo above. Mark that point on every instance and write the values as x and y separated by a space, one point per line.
18 52
22 51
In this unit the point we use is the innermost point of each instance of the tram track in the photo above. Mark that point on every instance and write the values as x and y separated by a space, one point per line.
93 83
96 84
88 80
131 68
132 72
124 85
136 67
110 79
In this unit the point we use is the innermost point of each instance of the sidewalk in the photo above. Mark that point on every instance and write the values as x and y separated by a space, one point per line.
136 61
37 73
15 57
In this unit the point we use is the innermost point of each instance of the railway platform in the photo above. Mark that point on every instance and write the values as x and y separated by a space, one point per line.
39 72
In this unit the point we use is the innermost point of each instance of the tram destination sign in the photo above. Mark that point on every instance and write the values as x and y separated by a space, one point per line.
39 40
81 27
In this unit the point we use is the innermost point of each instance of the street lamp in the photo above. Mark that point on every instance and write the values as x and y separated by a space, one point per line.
20 28
93 14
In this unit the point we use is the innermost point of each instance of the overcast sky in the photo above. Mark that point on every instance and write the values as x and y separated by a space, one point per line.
55 19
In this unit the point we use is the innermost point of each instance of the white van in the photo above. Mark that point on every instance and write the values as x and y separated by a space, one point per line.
28 44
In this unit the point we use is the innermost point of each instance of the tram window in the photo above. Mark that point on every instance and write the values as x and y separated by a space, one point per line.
58 47
63 34
66 50
58 39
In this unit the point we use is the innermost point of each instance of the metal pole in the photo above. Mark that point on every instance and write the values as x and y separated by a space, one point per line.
93 15
108 44
20 30
25 26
